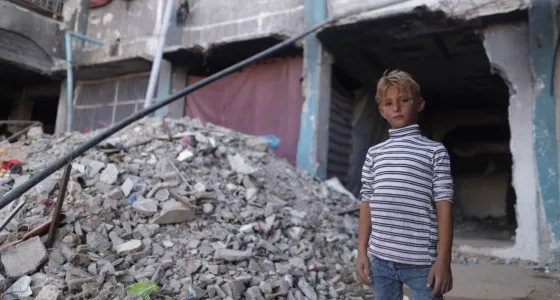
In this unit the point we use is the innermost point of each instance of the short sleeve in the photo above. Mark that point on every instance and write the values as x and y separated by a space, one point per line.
367 178
442 179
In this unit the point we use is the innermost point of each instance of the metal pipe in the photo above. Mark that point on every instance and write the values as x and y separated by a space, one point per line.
69 81
68 157
156 65
58 208
69 73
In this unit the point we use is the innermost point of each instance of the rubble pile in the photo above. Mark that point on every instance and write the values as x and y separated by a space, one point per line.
198 210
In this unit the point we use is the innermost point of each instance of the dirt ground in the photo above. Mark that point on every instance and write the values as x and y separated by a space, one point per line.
501 282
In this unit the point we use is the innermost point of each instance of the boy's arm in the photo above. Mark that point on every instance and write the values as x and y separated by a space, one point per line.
440 275
364 231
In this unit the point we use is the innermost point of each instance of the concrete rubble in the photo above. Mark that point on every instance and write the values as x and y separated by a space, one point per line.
187 206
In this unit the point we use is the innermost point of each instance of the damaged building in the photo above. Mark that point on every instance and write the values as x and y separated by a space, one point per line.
485 68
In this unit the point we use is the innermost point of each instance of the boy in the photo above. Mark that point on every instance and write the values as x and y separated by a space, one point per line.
406 225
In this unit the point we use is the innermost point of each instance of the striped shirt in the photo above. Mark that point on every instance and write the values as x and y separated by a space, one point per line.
402 178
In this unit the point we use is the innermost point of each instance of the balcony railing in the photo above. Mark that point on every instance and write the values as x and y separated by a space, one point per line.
51 8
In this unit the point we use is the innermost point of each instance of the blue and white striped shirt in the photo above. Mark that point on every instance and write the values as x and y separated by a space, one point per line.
402 178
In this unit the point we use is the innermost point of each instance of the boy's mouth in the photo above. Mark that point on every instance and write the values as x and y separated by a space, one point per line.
398 117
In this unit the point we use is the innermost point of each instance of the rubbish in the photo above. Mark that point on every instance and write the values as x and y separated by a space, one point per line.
257 144
273 141
232 222
143 289
12 165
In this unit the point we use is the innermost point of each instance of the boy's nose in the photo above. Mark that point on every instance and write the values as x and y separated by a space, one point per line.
396 107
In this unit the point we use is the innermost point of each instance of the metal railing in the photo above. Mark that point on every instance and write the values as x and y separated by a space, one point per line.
46 7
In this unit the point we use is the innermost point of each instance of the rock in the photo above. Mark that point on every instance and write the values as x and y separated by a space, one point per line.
191 266
254 293
127 187
110 174
145 207
49 292
35 133
157 250
129 247
307 289
174 212
208 208
234 289
257 144
193 244
24 258
98 242
162 195
265 287
167 244
232 255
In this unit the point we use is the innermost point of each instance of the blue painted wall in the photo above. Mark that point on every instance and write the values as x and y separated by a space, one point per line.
541 47
315 12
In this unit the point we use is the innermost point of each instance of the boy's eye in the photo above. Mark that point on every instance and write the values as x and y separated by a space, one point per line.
405 100
387 103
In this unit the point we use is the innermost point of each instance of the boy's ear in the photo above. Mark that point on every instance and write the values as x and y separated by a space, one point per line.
421 104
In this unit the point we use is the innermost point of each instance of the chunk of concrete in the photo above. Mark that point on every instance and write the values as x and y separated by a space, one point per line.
254 293
95 166
98 241
232 255
129 247
127 187
234 289
174 212
145 207
110 174
49 292
24 258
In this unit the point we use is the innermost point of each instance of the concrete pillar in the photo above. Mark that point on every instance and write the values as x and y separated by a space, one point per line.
314 132
163 86
541 47
60 126
507 47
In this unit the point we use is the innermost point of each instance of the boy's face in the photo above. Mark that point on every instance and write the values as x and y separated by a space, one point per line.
399 109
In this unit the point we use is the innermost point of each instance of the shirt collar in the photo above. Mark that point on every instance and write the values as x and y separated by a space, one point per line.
408 131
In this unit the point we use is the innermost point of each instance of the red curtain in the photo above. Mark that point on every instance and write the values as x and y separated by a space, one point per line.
262 99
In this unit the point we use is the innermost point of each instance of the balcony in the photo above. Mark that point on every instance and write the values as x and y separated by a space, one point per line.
50 8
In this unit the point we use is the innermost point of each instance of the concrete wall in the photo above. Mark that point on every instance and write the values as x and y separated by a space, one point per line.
29 39
131 28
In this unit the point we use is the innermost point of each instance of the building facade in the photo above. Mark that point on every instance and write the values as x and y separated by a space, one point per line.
485 67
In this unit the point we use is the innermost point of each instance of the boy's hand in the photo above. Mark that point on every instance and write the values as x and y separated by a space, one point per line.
363 271
440 273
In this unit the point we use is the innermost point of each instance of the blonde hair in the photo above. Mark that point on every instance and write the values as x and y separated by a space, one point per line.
400 80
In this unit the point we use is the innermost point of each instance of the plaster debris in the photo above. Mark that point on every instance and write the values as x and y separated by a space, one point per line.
226 220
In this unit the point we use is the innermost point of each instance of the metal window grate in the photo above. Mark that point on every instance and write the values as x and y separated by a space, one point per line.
53 7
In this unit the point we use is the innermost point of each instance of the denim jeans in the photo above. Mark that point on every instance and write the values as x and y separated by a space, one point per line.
388 278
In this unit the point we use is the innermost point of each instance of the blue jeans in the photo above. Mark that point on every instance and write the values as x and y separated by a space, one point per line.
388 278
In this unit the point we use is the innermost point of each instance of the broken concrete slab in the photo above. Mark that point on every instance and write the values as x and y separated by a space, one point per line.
234 289
174 212
24 258
127 187
129 247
